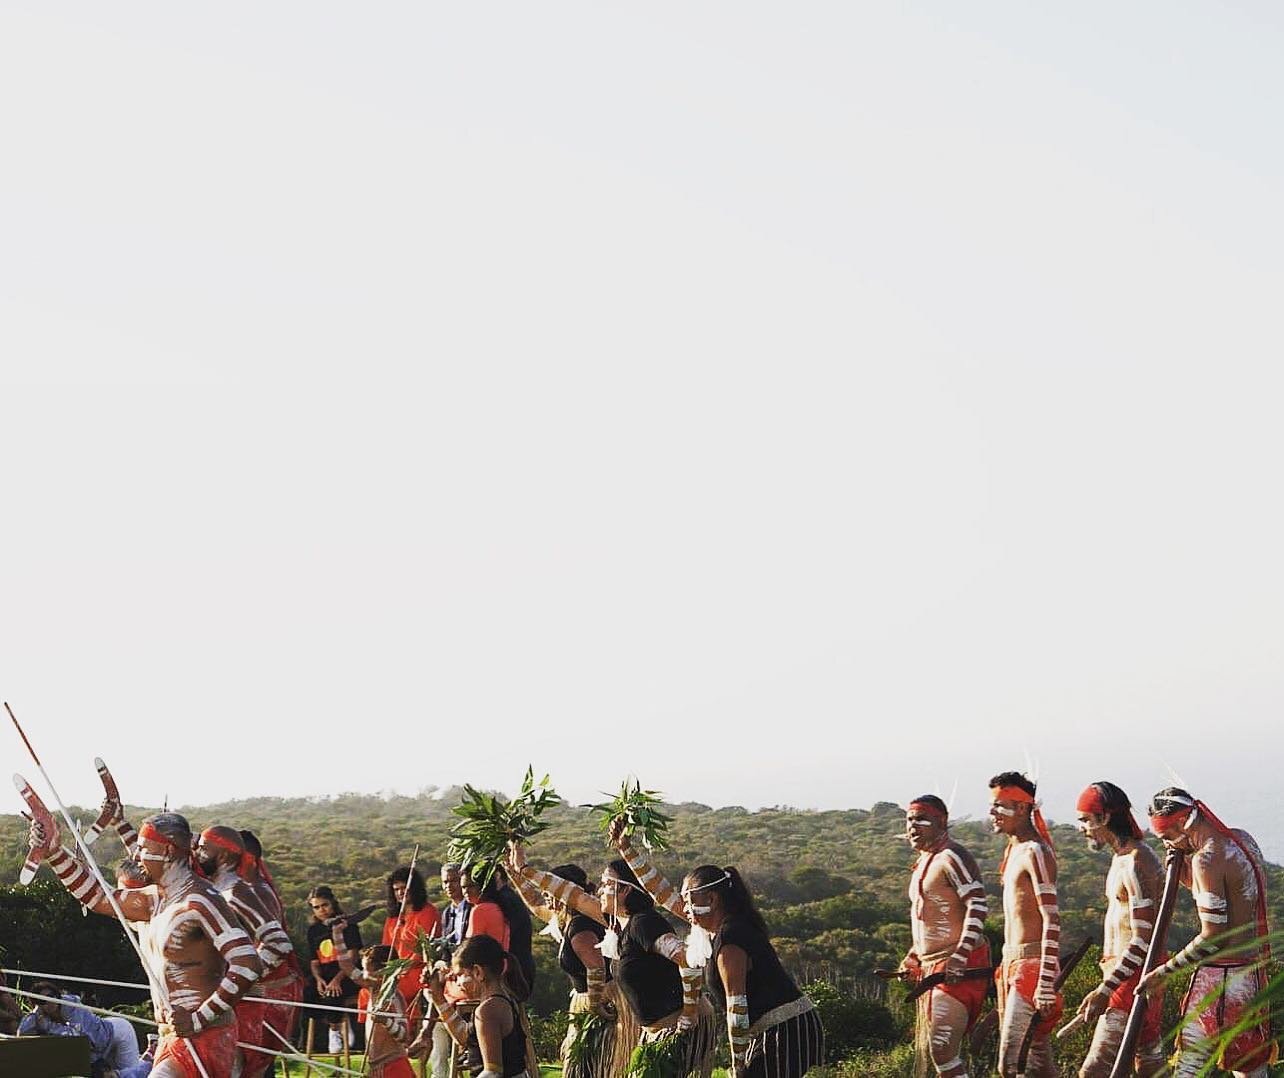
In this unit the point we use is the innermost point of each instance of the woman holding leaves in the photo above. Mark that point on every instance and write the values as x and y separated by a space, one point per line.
590 1034
649 964
772 1027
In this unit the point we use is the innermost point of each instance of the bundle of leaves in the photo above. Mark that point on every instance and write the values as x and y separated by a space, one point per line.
640 811
480 839
591 1040
391 973
665 1057
431 949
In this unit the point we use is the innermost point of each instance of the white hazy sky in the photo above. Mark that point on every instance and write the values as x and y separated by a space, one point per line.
791 404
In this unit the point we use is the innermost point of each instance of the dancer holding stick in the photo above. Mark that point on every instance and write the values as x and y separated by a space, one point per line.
1223 1013
1138 1013
206 958
1133 886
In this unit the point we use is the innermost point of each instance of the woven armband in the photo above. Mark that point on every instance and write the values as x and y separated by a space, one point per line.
596 984
738 1026
692 985
559 888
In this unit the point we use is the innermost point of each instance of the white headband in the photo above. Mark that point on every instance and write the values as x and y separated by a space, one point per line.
704 886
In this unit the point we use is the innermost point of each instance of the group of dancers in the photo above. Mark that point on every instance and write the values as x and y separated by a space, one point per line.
649 1002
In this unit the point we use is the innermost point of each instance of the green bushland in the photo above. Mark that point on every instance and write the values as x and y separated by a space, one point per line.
832 886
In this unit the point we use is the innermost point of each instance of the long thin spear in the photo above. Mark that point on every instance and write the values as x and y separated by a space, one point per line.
157 982
396 929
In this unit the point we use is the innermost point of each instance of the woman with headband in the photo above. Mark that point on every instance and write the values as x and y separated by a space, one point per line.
590 1041
773 1028
650 966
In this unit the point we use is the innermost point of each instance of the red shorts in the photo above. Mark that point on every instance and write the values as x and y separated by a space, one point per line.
288 987
394 1068
1021 975
216 1048
1121 998
971 992
249 1030
1218 999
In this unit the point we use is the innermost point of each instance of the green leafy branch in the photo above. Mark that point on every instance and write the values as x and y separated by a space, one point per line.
480 839
639 809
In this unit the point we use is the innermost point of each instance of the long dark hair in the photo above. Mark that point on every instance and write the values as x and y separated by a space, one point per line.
416 892
573 873
489 953
1118 810
636 898
730 888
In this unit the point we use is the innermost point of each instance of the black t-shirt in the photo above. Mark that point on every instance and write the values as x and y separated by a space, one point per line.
566 956
321 949
766 983
649 981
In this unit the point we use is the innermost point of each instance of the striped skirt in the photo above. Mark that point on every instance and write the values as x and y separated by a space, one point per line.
789 1046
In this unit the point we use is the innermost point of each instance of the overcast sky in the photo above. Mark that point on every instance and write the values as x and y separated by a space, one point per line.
807 405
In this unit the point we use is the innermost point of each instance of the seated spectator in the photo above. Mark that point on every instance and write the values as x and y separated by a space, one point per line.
112 1043
329 986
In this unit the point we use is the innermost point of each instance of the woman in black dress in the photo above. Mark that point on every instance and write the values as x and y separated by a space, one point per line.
590 1034
772 1026
648 962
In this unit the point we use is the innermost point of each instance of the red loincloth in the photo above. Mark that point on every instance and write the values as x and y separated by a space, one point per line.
1121 1000
1021 975
216 1047
1229 992
394 1068
970 992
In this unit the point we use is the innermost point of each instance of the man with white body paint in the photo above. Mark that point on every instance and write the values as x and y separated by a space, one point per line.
1133 887
1031 927
1226 877
223 858
947 916
189 936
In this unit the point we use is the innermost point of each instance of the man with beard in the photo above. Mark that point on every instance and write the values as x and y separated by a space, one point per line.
188 935
1031 927
1227 879
222 856
947 916
1133 887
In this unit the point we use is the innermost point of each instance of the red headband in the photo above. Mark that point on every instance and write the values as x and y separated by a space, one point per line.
1158 821
1012 793
245 859
1092 800
149 832
1023 797
928 809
